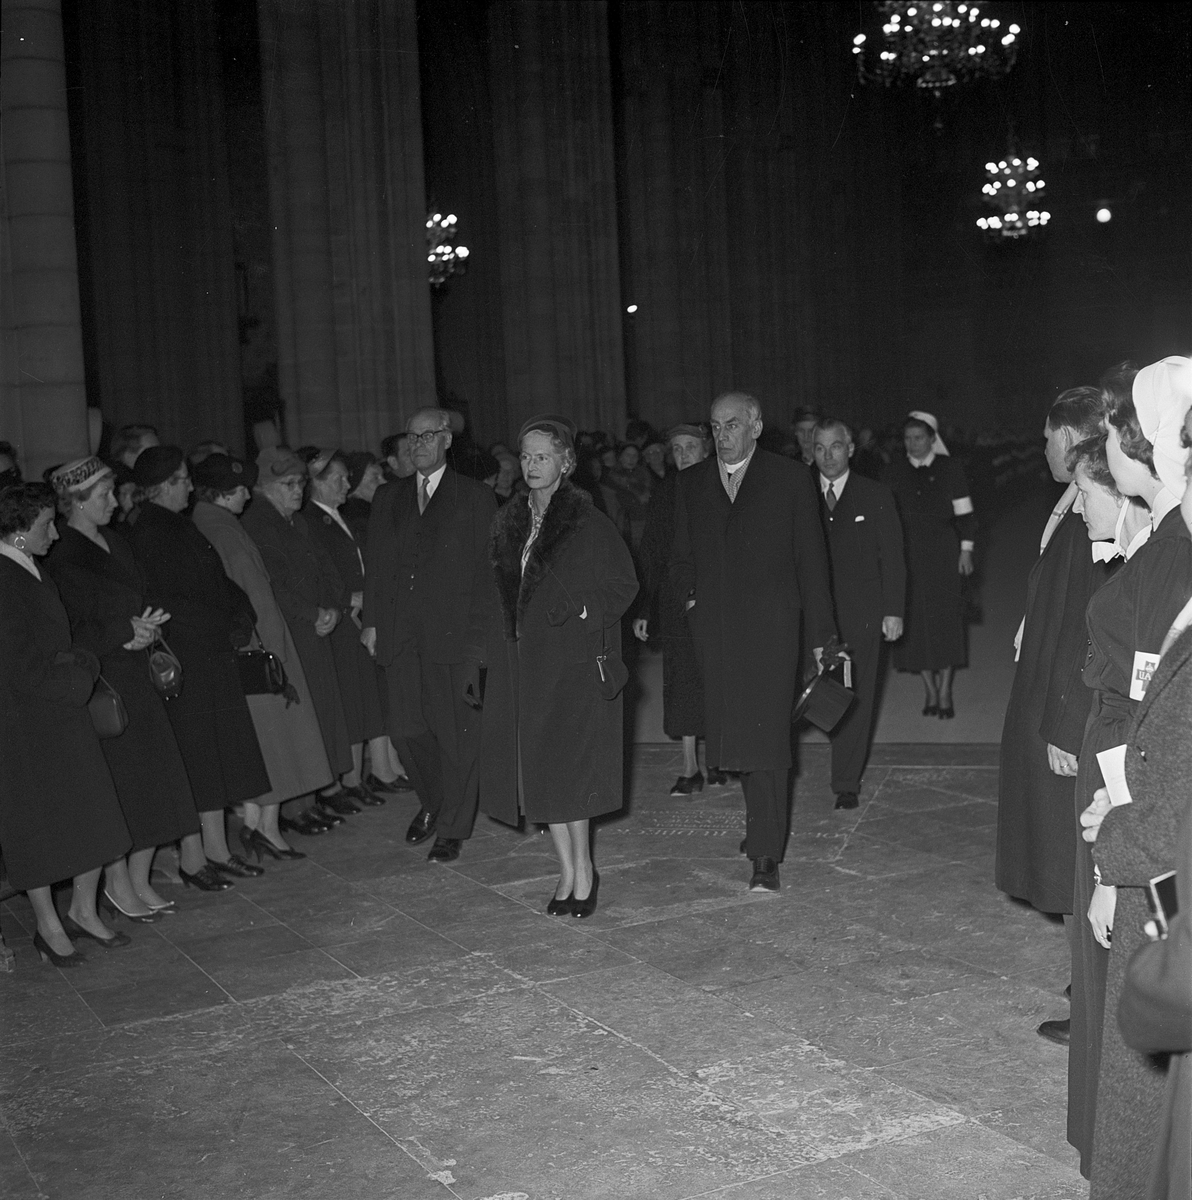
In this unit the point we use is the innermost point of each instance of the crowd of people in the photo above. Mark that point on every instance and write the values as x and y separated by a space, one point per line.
292 638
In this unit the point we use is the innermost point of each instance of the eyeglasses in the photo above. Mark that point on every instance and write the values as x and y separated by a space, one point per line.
424 439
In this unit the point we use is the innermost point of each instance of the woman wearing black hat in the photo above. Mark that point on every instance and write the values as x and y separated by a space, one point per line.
210 617
104 594
552 739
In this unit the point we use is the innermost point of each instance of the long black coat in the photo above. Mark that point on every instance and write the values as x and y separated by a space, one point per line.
539 633
304 580
209 617
1049 704
59 815
682 685
757 569
102 590
354 667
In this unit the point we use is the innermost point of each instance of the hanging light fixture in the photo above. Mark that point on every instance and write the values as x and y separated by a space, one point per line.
937 44
444 257
1014 191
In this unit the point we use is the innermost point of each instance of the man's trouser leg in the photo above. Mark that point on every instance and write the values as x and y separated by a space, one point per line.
456 726
766 813
850 739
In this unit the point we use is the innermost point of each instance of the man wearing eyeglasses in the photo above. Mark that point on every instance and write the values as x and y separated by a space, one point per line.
426 565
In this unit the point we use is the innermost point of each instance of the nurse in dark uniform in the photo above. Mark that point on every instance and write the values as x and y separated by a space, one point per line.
937 517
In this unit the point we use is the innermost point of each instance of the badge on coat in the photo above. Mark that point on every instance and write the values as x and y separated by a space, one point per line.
1140 676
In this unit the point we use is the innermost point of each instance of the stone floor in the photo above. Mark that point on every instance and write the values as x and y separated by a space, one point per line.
367 1024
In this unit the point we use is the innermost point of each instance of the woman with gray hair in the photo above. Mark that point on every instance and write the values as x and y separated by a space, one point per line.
552 739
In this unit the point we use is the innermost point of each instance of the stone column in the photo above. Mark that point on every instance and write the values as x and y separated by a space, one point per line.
557 211
343 124
43 406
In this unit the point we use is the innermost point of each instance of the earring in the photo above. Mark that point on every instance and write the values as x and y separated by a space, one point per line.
18 543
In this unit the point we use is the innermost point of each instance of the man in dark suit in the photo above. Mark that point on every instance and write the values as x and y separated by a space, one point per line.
749 556
427 563
868 566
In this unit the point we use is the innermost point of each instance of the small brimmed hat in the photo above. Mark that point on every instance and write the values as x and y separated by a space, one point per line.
79 475
222 473
276 462
155 464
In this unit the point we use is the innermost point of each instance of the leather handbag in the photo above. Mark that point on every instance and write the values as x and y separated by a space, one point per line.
164 668
108 714
611 668
261 673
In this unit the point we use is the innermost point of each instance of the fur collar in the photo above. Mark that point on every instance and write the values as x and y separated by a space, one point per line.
566 515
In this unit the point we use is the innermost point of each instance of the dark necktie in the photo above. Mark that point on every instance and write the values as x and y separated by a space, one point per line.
423 496
830 497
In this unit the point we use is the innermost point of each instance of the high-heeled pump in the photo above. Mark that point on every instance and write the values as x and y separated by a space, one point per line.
560 908
108 904
255 842
74 930
50 955
587 906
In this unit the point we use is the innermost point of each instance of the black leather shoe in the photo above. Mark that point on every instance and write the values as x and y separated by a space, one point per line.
686 784
236 865
339 802
444 850
421 827
1056 1031
717 777
560 908
765 875
74 930
931 710
364 796
378 785
846 800
946 714
306 824
206 879
587 906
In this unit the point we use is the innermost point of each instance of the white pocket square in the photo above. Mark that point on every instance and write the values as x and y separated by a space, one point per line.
861 518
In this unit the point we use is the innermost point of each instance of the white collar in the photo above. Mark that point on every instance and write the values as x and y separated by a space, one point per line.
432 480
733 468
834 485
21 559
1163 503
922 462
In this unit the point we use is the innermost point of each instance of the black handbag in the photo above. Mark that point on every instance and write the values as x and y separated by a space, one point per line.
611 668
164 668
108 714
261 673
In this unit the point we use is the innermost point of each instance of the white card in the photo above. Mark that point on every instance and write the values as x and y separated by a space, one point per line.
1144 668
1113 771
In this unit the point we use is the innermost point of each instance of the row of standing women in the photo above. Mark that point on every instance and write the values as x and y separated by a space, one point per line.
71 805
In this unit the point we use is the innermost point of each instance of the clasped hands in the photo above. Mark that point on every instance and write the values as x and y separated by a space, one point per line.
145 627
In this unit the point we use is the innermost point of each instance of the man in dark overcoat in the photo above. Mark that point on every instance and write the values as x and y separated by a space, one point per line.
868 566
749 557
1049 703
426 564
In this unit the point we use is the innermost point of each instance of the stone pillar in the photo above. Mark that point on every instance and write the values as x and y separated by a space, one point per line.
557 211
343 124
43 407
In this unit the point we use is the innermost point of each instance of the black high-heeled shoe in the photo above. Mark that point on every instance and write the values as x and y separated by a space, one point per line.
255 842
560 908
74 930
50 955
587 906
931 710
206 879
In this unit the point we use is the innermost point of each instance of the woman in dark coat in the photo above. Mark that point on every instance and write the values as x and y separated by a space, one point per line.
354 667
104 594
1115 1094
308 592
937 517
210 617
551 742
59 816
682 684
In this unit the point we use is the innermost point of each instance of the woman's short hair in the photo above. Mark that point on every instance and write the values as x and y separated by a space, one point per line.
1090 454
66 500
1081 409
21 504
1117 388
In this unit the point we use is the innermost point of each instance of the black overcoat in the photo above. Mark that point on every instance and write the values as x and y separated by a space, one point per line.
1049 704
354 667
756 568
209 617
59 815
102 591
1137 842
304 580
539 633
682 685
1130 613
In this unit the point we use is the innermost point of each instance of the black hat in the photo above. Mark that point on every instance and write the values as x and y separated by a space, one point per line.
155 464
222 473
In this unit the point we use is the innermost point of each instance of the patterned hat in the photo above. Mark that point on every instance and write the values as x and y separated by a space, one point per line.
78 475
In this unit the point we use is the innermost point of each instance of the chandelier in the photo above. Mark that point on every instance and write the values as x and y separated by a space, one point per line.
938 44
445 258
1013 190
